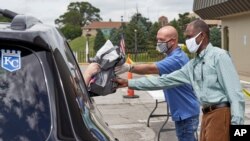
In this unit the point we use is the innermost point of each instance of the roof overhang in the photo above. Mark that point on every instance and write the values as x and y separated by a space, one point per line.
215 9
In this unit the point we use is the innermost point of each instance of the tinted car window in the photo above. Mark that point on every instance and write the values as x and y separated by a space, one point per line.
24 102
72 96
83 100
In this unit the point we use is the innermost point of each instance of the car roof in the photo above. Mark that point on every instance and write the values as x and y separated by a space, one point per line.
29 29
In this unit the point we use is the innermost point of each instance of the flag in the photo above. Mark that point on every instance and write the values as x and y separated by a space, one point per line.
122 44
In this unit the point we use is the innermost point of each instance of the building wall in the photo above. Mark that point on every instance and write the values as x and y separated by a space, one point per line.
92 32
106 32
239 41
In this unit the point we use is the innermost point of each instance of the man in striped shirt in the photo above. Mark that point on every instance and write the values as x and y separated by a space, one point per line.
214 80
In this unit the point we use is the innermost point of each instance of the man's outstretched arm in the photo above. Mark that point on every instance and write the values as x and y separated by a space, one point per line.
174 79
90 71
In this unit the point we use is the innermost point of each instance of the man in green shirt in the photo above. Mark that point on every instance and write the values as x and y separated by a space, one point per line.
214 80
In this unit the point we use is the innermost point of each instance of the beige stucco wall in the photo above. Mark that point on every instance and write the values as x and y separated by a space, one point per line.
239 41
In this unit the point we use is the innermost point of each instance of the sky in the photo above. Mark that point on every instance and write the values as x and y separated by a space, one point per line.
49 10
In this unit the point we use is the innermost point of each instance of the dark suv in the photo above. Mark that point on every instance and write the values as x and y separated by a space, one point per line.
42 92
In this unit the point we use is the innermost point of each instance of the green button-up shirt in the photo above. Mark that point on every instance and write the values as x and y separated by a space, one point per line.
213 77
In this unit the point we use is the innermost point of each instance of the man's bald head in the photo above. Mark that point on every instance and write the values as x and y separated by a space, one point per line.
167 32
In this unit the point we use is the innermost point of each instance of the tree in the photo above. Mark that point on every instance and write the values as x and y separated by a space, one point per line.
152 34
99 40
183 20
137 28
79 14
175 24
71 32
180 25
215 36
115 36
139 19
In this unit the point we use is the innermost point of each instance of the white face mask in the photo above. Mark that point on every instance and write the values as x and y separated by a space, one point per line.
192 45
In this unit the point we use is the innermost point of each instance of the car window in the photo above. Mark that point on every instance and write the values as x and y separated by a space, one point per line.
77 74
78 101
24 113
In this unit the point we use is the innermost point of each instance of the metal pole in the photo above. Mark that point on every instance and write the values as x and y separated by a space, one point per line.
135 45
87 46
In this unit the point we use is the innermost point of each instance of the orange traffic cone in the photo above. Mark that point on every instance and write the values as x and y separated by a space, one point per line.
130 92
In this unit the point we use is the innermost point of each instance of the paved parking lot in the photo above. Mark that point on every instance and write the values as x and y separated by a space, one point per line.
127 118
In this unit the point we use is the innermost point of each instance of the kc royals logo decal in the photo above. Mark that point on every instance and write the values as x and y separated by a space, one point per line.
10 60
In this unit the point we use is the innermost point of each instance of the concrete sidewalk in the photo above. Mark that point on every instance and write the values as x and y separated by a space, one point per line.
127 118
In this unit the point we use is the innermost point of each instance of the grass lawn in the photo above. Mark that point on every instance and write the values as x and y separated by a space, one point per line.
79 44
